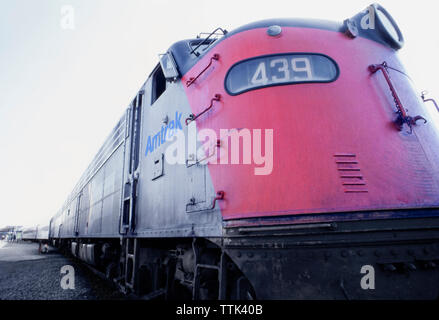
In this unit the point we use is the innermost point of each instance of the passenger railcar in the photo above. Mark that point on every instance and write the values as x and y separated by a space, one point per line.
38 233
287 159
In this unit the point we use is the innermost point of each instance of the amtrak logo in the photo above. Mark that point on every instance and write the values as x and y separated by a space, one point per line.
155 141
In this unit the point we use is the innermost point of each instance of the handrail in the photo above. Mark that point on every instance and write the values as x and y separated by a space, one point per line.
207 38
192 79
193 117
423 93
219 196
403 117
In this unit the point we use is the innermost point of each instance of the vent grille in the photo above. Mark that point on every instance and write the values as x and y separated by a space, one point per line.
350 173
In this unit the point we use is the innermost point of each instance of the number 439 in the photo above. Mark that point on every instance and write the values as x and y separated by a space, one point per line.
281 65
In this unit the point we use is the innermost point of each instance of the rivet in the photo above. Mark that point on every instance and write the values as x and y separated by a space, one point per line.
389 267
410 266
274 30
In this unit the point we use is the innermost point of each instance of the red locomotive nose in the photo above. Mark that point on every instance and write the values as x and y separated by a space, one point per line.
335 146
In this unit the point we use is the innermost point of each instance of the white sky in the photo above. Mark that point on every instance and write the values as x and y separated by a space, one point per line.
62 91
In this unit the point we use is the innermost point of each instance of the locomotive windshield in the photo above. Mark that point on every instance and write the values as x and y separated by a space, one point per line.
281 69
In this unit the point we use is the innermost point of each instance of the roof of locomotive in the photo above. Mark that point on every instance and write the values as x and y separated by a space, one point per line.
185 60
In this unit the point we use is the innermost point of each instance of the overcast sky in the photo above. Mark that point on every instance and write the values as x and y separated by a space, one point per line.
63 90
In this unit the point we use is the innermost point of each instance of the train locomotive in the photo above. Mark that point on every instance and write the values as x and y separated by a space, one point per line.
287 159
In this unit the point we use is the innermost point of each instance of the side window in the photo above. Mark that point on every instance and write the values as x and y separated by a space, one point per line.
158 84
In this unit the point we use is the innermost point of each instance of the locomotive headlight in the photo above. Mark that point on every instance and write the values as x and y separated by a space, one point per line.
377 24
387 27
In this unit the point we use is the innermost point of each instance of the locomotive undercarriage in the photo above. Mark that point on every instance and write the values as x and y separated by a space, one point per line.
183 269
377 259
380 259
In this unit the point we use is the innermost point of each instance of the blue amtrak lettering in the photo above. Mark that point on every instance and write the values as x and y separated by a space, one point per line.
156 140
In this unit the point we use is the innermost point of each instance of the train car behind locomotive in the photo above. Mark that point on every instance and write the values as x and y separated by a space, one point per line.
37 233
287 159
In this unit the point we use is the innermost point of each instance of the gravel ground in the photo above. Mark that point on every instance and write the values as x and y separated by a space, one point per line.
27 275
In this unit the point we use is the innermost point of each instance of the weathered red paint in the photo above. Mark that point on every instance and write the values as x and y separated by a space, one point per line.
315 127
